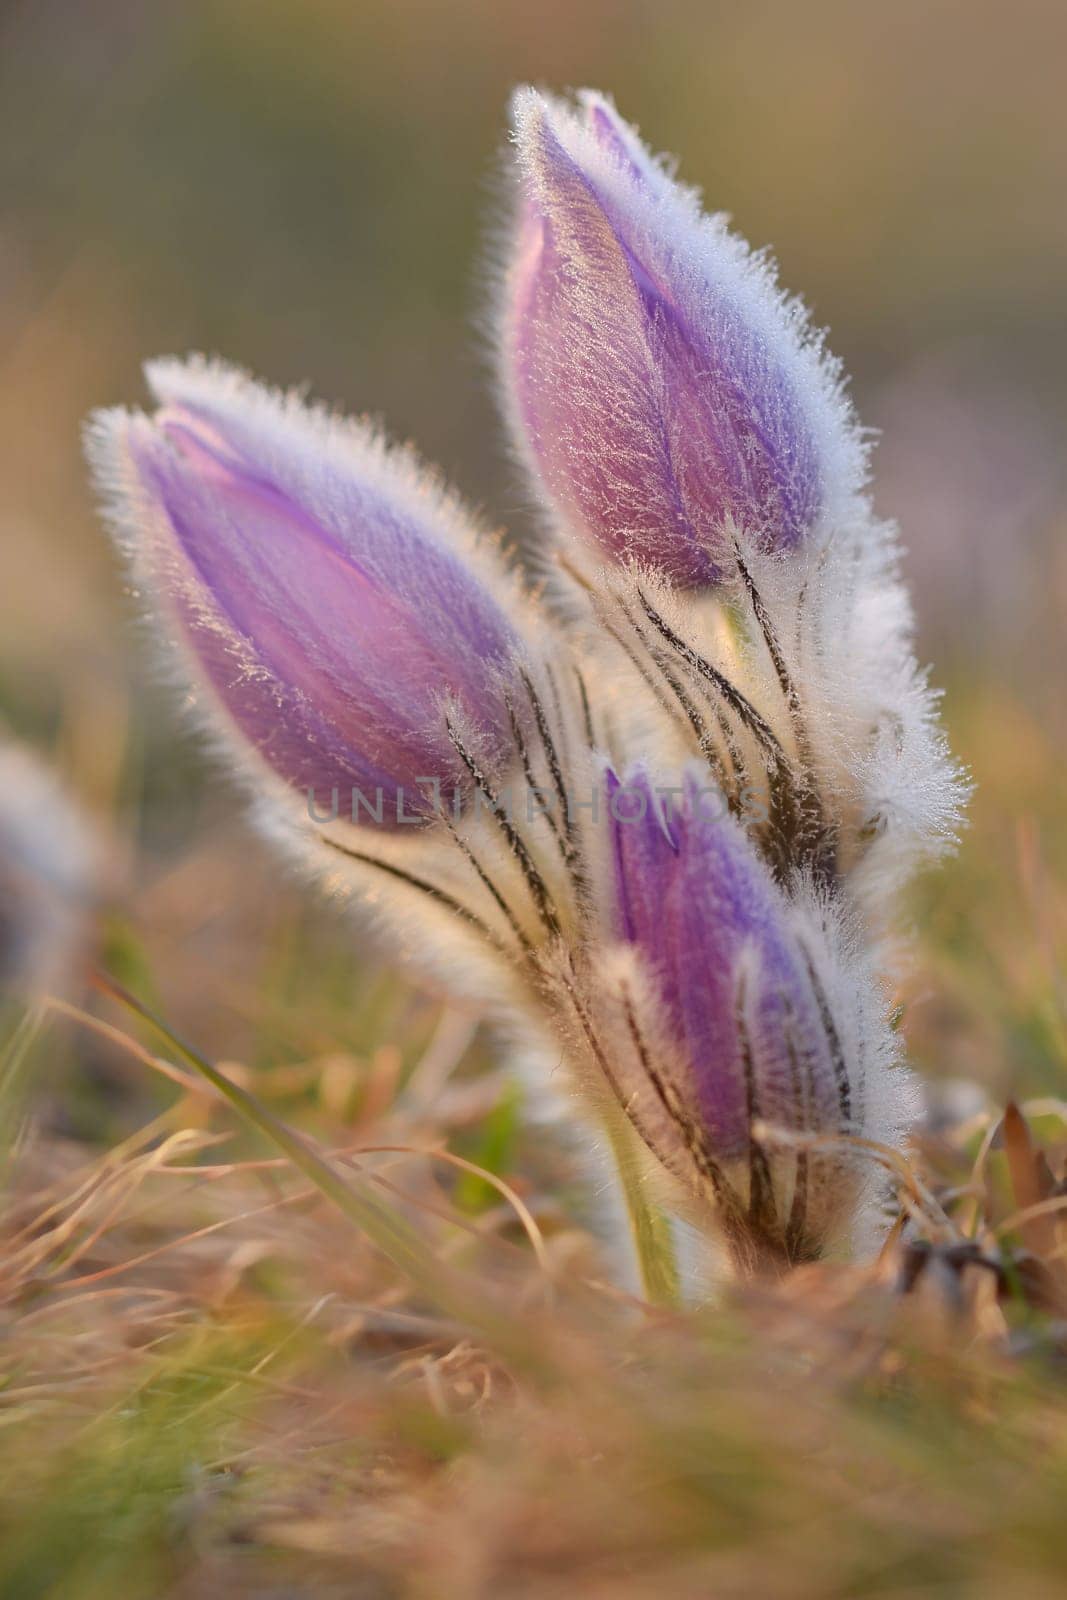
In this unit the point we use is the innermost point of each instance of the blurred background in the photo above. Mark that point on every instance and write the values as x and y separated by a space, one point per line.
305 188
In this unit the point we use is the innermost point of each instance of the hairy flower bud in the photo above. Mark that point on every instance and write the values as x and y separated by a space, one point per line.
661 388
326 589
738 1032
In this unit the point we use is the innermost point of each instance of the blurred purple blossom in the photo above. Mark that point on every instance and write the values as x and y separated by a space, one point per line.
51 864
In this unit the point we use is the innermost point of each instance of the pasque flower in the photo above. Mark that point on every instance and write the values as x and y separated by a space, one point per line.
661 388
705 959
734 1020
324 586
693 897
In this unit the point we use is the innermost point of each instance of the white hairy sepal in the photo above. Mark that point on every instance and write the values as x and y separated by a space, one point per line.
845 627
864 729
886 1101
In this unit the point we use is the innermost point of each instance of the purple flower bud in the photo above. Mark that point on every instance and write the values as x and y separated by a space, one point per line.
659 384
734 987
325 587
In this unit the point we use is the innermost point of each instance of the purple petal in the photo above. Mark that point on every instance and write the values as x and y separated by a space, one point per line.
613 135
337 629
657 381
730 974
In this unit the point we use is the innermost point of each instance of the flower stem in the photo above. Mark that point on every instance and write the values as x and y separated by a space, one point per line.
649 1226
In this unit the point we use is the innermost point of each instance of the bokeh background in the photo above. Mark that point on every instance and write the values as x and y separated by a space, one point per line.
305 188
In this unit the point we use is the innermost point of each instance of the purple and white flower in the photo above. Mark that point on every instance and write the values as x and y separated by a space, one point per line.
743 1056
707 968
324 587
662 390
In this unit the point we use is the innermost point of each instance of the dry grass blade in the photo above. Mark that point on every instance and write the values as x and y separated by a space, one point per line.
384 1225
